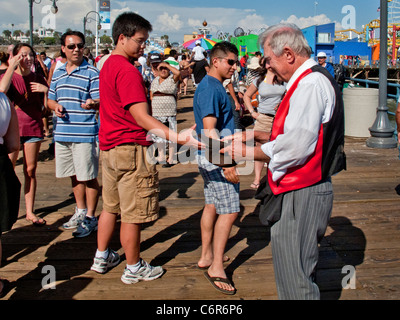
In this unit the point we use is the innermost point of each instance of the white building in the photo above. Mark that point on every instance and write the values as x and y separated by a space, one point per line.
44 33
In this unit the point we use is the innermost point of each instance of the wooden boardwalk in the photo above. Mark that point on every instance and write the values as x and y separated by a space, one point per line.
364 232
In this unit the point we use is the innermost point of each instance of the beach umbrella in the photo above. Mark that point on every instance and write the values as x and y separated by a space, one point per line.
205 43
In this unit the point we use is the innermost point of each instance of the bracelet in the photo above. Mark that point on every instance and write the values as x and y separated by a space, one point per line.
252 112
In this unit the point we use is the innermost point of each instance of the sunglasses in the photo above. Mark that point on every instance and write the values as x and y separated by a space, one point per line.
73 46
231 62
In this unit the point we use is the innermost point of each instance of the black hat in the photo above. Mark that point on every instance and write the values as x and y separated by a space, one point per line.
155 58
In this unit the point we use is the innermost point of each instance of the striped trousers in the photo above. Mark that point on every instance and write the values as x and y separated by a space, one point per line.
295 238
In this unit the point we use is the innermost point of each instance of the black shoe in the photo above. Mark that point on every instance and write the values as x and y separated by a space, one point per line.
168 165
50 150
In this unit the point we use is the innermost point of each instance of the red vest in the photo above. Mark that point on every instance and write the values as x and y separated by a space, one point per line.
328 157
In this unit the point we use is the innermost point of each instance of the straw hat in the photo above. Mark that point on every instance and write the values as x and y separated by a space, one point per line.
254 63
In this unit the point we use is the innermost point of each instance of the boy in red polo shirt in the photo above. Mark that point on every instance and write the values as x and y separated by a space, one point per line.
130 182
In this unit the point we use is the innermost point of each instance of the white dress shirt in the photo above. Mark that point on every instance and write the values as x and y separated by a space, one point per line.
311 105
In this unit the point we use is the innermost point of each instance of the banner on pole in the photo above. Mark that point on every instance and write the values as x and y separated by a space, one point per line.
105 14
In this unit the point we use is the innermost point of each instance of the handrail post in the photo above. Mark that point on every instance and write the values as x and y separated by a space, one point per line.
381 131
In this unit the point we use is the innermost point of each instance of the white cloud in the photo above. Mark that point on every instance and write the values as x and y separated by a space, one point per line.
167 22
307 22
194 22
252 22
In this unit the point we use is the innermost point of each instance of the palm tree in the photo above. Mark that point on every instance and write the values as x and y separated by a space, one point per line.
17 33
7 34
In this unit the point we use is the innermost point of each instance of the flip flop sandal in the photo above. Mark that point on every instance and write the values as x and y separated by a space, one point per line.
37 222
218 279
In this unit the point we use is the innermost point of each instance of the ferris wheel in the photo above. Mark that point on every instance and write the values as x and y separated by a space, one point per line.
394 11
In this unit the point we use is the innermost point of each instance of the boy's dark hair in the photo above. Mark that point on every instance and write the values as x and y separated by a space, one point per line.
222 49
72 33
127 24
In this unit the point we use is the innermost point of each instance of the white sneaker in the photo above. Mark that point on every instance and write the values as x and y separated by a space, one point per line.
146 273
101 265
75 220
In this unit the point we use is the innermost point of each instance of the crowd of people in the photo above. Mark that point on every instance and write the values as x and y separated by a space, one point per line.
296 105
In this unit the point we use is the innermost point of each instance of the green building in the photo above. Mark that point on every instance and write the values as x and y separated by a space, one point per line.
246 44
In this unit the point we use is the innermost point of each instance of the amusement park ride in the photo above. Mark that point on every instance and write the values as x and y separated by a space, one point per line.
371 33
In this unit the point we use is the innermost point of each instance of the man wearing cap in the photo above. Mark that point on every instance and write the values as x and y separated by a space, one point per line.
198 52
322 62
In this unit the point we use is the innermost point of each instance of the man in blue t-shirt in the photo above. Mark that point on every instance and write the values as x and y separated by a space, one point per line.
214 119
322 62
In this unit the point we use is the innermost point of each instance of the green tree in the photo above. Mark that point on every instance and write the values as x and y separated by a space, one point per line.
105 39
49 41
36 39
7 34
17 33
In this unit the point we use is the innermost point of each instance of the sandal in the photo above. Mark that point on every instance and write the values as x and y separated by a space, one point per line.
254 185
213 281
37 221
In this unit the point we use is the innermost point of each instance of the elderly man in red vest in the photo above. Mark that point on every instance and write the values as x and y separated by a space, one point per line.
303 150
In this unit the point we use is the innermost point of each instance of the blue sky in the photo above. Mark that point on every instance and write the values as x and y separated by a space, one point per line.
178 17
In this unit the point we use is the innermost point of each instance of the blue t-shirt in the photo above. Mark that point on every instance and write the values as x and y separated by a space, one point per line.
71 90
211 99
330 68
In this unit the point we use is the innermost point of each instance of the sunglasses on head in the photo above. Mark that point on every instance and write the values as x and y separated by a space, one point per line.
73 46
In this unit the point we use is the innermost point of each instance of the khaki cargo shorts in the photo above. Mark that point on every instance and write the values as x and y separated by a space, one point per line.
130 184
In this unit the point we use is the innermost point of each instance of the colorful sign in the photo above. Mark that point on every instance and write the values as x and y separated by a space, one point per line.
105 14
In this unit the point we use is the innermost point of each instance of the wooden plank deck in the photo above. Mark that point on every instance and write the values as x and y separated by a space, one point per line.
364 232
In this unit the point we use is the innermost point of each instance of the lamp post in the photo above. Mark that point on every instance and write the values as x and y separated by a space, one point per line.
381 131
54 9
86 19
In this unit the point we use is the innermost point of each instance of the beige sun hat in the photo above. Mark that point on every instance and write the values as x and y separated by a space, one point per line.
254 63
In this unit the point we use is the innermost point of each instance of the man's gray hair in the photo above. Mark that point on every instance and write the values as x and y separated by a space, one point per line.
285 34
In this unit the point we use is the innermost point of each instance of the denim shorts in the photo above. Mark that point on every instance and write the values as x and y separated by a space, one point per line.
30 139
218 191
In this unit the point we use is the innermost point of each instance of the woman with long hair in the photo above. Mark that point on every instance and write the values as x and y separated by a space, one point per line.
270 91
27 91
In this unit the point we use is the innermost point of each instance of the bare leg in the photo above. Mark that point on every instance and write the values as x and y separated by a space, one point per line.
222 230
46 125
185 81
13 157
92 196
171 153
31 152
258 167
79 189
105 230
130 241
207 223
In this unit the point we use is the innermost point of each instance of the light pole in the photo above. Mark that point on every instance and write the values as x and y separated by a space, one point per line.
54 9
98 27
86 19
381 131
